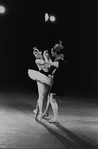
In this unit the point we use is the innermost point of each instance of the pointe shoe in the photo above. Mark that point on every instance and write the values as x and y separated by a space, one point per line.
36 114
53 120
45 115
39 117
35 111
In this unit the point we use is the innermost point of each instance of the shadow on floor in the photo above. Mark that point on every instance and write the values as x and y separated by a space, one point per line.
76 141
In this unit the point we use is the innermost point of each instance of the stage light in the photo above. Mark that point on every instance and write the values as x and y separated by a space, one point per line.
52 18
46 17
2 9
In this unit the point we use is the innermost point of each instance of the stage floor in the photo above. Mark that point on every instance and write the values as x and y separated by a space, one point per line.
77 127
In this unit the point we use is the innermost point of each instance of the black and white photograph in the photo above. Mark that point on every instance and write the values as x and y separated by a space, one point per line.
48 74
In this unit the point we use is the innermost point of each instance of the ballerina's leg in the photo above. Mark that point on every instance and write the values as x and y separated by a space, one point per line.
43 91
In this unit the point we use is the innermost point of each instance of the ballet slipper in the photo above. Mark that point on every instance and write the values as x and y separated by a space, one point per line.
54 120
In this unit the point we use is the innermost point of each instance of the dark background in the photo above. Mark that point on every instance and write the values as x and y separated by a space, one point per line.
22 27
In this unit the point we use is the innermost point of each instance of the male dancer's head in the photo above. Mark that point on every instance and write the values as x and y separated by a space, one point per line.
56 50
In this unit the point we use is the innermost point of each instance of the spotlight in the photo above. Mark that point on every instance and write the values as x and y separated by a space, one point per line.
52 18
46 17
2 9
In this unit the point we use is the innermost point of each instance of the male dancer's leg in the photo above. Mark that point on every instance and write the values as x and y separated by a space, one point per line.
54 108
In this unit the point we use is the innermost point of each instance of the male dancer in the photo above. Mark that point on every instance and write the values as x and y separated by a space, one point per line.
58 61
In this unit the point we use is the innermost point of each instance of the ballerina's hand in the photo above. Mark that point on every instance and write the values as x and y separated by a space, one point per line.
50 76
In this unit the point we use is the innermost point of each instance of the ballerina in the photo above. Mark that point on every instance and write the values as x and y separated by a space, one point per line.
43 77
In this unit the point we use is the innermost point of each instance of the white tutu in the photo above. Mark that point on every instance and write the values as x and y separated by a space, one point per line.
36 75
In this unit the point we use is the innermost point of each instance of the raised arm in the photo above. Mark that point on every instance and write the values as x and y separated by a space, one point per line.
47 57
